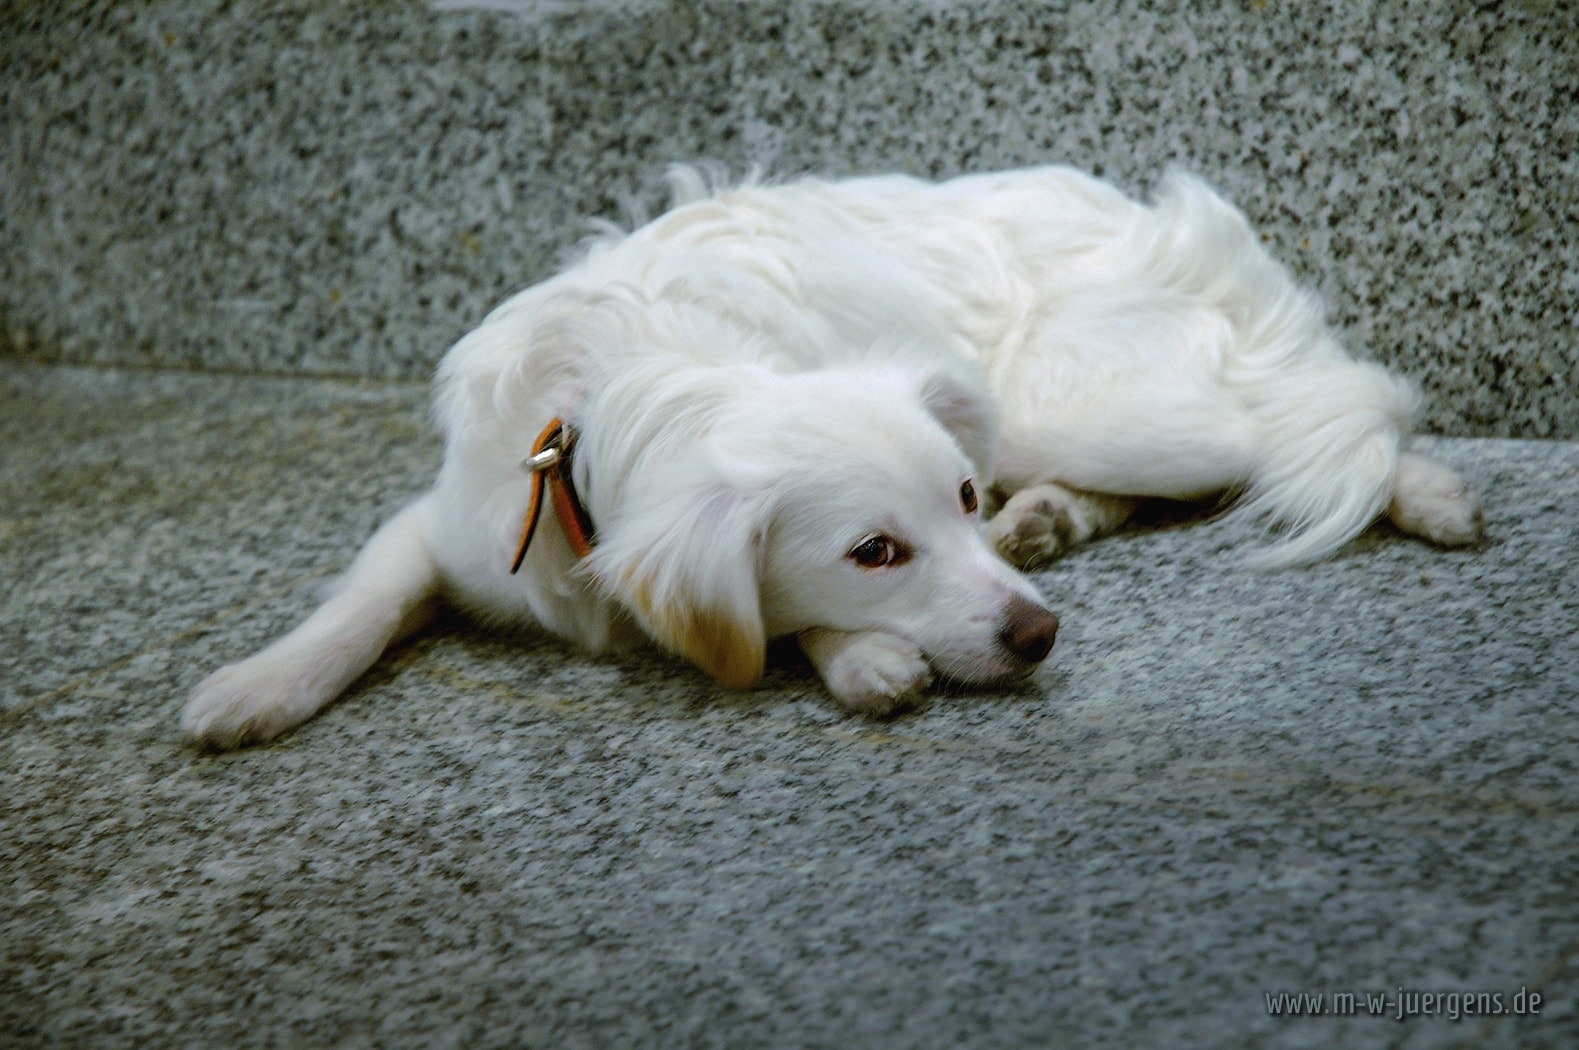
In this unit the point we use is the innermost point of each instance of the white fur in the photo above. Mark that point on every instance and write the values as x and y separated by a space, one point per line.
766 376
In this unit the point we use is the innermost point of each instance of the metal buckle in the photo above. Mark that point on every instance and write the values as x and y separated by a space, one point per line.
543 460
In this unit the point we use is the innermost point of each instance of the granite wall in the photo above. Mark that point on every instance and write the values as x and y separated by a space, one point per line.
343 188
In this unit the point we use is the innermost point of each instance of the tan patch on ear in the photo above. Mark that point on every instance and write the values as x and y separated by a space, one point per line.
730 650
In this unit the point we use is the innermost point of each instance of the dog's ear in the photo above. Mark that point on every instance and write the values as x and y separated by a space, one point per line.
958 399
687 565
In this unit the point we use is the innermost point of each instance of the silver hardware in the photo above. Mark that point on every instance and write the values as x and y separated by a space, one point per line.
543 460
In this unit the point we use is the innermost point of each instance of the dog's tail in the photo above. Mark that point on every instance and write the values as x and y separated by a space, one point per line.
1328 460
1329 427
386 594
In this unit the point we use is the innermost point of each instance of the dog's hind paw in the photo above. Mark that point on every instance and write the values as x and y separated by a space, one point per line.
1430 500
1036 527
1040 524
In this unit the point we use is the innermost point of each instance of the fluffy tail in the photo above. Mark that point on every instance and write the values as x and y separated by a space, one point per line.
1330 428
386 594
1328 461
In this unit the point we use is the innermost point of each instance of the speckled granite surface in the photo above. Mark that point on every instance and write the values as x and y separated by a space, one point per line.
345 188
1360 777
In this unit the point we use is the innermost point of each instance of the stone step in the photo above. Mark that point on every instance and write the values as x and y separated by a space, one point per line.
345 188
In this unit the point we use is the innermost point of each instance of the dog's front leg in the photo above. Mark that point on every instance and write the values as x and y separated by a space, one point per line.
385 595
869 672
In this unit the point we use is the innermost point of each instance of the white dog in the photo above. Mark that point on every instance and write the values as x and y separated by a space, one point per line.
783 404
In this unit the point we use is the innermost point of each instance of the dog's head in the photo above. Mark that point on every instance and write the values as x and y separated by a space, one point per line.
749 504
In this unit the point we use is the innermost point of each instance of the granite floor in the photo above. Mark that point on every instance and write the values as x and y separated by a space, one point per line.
1361 777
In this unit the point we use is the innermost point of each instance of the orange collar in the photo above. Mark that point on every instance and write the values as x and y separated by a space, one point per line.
550 464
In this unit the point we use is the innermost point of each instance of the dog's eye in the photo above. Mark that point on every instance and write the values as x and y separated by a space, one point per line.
876 552
967 497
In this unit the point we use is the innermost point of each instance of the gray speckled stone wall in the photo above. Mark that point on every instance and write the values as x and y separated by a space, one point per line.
344 188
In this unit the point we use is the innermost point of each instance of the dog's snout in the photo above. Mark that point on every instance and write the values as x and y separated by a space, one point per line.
1028 630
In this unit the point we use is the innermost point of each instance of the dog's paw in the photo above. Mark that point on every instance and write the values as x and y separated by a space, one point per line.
1037 526
238 705
878 676
869 673
1430 500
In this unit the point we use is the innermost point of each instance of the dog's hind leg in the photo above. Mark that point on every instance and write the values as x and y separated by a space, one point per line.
1041 523
387 593
1430 500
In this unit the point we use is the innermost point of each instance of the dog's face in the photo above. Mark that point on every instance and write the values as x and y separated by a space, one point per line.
843 500
887 538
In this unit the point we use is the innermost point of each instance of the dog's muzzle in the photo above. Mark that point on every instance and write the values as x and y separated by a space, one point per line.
1028 630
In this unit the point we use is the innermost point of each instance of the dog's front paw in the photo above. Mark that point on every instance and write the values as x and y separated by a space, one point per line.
869 673
238 705
878 677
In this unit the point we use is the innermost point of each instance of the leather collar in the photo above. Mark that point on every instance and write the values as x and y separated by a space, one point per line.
549 465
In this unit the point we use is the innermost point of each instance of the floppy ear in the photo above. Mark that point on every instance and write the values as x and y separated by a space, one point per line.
686 564
959 400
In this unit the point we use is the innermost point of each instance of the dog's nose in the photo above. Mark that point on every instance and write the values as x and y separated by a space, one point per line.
1028 630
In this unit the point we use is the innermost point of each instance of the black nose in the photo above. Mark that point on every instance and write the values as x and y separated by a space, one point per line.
1028 630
